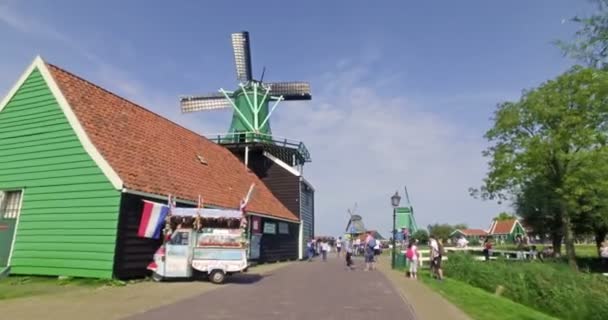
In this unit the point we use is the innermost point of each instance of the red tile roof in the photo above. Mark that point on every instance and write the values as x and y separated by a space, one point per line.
502 227
154 155
473 232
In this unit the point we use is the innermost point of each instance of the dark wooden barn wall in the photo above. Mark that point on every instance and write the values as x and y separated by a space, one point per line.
133 254
307 215
278 247
282 183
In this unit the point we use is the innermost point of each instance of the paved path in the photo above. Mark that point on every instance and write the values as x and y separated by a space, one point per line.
305 290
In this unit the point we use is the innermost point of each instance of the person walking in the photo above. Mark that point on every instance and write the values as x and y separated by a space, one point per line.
339 246
436 258
370 243
310 248
349 254
487 248
324 249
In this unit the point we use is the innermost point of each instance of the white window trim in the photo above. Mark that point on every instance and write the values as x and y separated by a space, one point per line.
10 254
6 191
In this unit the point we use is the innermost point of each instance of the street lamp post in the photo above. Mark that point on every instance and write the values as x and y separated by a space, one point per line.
395 199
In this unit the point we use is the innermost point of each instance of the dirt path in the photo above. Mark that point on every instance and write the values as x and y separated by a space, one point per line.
304 290
116 302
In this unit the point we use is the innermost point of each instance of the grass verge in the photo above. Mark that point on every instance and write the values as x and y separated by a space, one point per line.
479 304
22 286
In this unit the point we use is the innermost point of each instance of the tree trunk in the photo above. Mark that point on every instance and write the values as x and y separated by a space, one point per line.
556 240
600 235
568 238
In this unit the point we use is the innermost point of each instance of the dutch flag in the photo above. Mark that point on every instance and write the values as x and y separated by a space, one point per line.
152 219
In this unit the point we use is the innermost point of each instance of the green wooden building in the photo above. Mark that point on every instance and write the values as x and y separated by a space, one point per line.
506 230
405 220
75 163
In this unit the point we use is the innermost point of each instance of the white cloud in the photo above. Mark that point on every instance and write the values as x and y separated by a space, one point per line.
365 146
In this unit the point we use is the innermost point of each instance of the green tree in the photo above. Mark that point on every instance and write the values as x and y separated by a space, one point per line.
504 216
536 204
460 226
590 44
441 231
421 235
556 132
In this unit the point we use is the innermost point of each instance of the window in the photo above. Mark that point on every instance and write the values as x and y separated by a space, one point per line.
9 204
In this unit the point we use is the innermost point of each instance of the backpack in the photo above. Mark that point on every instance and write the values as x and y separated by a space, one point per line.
441 250
372 243
409 253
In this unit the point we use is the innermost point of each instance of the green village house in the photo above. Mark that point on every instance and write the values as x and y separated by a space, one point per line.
76 161
506 230
469 234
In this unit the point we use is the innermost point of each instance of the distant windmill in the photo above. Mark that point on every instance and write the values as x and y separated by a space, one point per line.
250 101
355 222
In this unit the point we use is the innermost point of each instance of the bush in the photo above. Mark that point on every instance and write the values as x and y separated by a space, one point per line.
548 287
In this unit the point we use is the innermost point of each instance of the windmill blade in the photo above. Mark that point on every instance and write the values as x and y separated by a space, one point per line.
206 102
291 90
242 56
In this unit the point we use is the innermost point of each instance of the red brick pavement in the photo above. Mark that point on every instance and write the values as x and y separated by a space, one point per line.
304 290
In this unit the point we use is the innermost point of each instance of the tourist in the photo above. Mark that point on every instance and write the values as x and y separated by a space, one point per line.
413 257
349 254
487 248
462 242
355 243
520 247
370 243
604 252
310 248
339 246
533 253
547 252
324 249
436 255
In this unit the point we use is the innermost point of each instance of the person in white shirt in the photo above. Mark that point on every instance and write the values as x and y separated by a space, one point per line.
435 258
324 249
462 242
339 246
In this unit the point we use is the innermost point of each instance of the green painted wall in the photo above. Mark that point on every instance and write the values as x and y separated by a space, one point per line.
69 216
238 125
405 219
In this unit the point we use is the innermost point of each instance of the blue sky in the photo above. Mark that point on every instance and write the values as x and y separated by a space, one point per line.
402 90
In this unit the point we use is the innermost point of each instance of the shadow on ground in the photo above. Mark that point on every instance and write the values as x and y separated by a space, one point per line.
246 278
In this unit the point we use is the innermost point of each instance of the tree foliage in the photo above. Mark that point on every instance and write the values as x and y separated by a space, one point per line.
555 134
504 216
443 231
590 45
421 235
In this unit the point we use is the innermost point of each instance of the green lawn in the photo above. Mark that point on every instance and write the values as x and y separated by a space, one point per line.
19 286
479 304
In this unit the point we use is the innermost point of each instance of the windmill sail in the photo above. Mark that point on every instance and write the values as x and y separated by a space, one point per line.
291 90
242 56
206 102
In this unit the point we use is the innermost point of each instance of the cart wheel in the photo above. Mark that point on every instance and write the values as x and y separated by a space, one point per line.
157 277
217 276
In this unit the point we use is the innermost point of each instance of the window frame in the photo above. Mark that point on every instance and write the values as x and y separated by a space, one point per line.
4 204
17 219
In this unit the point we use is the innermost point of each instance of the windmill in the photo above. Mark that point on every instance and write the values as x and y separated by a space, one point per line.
251 101
355 222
